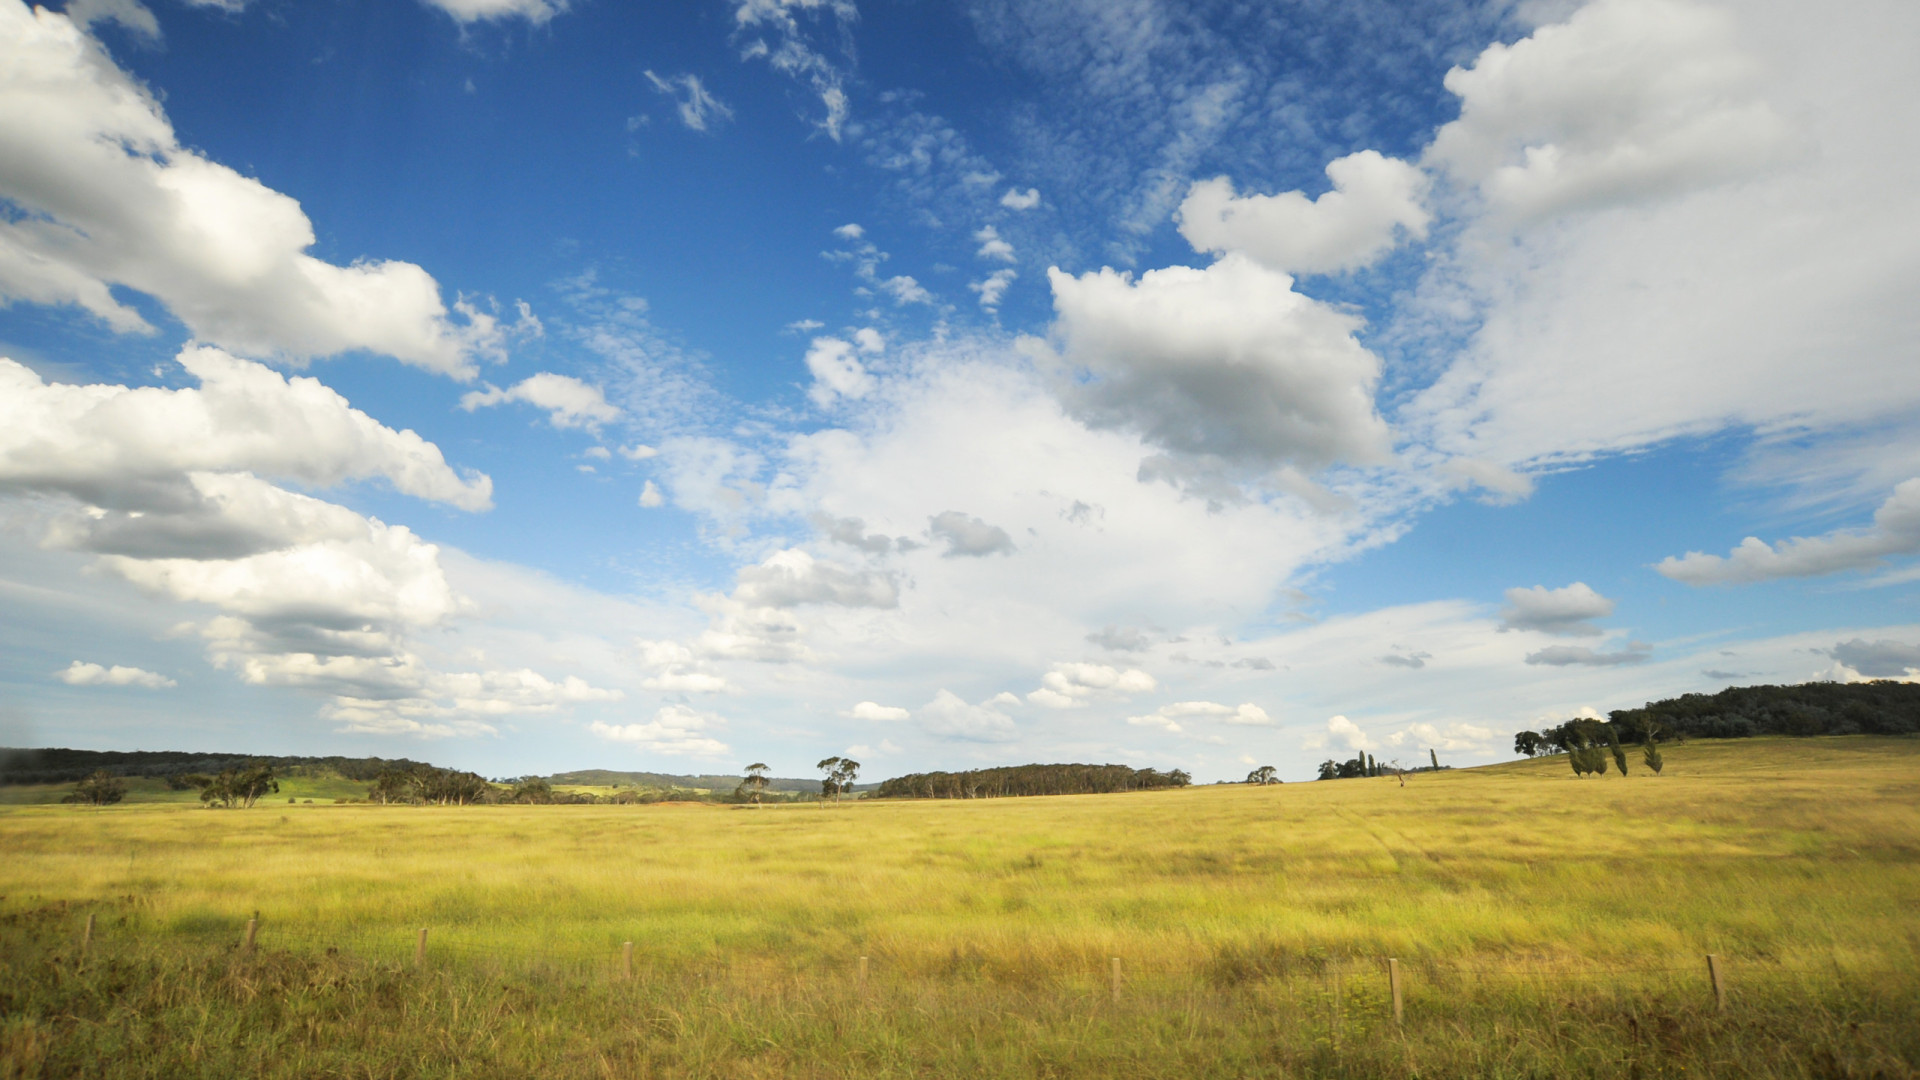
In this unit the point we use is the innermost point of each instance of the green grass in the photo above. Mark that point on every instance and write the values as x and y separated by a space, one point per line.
1547 926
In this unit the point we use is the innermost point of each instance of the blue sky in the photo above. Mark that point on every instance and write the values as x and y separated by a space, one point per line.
528 385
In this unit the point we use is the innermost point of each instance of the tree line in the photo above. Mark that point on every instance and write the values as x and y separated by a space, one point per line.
1820 708
1016 780
1365 764
60 765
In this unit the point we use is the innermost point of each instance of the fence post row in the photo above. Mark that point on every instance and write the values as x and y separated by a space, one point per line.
86 937
1116 979
1719 983
246 940
420 950
626 954
863 975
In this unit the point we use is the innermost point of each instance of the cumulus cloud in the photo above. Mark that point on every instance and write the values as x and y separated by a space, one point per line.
1555 611
1626 100
1636 652
793 577
124 448
81 673
569 403
468 12
1168 717
993 245
968 536
1880 659
697 106
1374 199
674 730
853 533
106 196
994 286
1070 685
836 368
1227 363
1895 531
949 715
1344 732
874 711
650 496
1015 199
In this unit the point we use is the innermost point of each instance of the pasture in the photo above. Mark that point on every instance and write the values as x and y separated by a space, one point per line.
1545 925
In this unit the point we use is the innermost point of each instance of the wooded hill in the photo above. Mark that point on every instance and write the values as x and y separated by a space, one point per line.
1818 708
1028 780
58 765
713 782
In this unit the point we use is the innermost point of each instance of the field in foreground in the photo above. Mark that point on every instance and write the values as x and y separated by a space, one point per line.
1545 925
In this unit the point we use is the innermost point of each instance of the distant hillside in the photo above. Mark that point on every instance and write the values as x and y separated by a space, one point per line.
717 782
1015 780
58 765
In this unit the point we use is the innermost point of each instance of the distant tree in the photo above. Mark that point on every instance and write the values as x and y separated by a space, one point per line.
1329 769
754 784
393 786
1265 774
102 788
532 789
1651 754
840 773
1435 758
1526 742
241 787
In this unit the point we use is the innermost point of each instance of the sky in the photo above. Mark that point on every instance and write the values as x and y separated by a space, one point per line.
531 385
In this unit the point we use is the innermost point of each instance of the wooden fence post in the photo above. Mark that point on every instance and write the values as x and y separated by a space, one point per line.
420 950
86 937
1393 982
626 959
1116 980
863 975
1719 983
246 940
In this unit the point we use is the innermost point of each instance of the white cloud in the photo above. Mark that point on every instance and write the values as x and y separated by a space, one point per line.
1070 685
126 448
107 196
876 712
905 290
1167 717
1636 652
1895 531
1374 198
81 673
468 12
992 245
650 497
638 452
1015 199
949 715
1347 733
994 286
837 371
778 31
1555 611
674 730
697 106
850 231
968 536
1626 100
1228 363
569 403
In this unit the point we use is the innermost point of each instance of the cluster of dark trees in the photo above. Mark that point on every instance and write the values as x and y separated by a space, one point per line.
1365 764
1029 780
100 789
59 765
1821 708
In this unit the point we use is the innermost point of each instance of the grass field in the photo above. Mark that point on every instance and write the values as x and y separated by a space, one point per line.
1546 925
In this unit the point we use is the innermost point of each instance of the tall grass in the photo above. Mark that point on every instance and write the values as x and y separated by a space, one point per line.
1548 926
